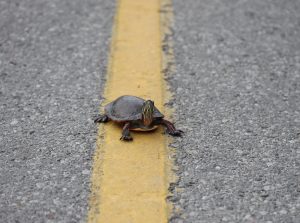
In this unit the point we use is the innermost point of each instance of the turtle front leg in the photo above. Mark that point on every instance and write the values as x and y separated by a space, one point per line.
126 132
101 118
171 128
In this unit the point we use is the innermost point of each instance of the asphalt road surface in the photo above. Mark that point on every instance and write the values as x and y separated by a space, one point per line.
53 57
237 89
236 95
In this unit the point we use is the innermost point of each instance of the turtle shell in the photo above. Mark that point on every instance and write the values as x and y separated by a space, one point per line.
128 108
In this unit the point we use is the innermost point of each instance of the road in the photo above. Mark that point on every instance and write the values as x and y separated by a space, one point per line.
53 62
236 95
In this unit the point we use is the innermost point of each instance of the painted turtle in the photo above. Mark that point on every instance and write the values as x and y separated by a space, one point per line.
136 114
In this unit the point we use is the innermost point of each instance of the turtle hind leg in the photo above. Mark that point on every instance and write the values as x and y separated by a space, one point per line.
126 132
171 128
101 119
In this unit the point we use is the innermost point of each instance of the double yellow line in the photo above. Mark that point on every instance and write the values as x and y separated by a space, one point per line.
130 180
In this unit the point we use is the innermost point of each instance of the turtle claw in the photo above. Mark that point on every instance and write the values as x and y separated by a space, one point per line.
101 118
126 138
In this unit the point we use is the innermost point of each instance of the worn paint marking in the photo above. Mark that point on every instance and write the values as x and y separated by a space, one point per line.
130 179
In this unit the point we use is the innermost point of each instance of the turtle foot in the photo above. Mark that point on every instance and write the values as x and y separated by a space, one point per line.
101 119
170 128
126 138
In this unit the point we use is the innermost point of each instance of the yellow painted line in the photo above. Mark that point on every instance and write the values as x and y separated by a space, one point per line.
130 180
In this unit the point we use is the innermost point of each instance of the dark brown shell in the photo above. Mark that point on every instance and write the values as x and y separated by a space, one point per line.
128 108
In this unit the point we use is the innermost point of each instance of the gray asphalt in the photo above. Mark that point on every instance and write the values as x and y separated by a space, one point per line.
236 93
53 57
237 96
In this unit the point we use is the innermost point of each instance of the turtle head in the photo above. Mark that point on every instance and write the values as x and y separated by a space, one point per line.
147 112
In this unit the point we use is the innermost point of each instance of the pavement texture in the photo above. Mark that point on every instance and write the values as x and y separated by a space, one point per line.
53 58
237 96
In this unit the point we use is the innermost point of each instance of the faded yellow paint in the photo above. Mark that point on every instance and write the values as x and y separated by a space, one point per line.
130 179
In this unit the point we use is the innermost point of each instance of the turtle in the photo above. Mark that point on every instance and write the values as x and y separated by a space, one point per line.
137 114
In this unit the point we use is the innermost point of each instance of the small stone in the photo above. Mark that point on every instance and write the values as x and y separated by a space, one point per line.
39 185
86 172
179 89
283 211
263 212
14 122
225 219
36 194
192 214
224 120
56 201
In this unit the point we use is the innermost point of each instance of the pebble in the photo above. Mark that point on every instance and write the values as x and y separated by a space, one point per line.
14 122
283 211
86 172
